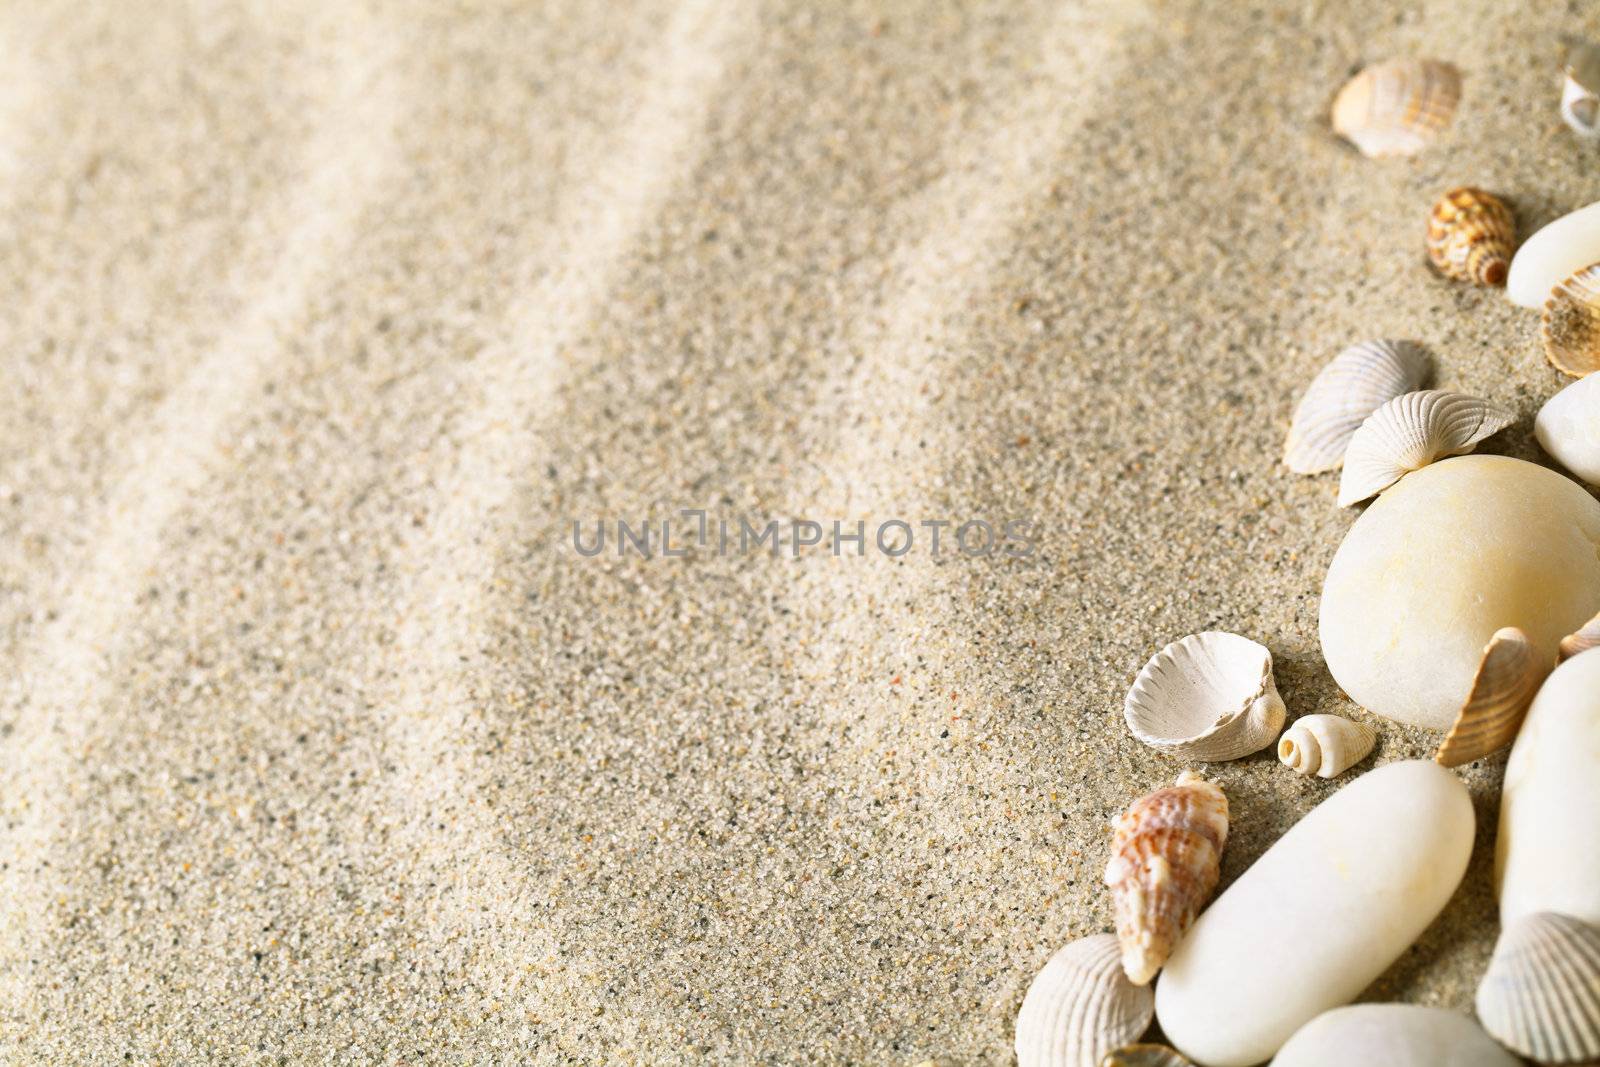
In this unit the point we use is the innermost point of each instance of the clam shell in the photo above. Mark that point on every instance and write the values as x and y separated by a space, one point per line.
1509 675
1410 432
1580 640
1570 326
1540 997
1397 107
1166 854
1353 385
1145 1056
1580 104
1209 696
1472 236
1324 745
1080 1007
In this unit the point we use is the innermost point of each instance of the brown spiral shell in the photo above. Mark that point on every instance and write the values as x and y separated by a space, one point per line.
1471 236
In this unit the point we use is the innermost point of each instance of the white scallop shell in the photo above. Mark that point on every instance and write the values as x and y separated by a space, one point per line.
1540 997
1353 385
1397 107
1324 745
1410 432
1081 1006
1209 696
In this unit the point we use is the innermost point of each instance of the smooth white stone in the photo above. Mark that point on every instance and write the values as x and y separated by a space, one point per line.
1547 854
1393 1035
1546 259
1443 559
1319 916
1568 427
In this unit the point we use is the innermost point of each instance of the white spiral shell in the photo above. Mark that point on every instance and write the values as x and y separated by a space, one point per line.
1324 745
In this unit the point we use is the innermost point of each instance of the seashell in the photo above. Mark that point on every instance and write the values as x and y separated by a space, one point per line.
1145 1056
1509 675
1392 1035
1397 107
1166 854
1472 236
1322 913
1324 745
1410 432
1209 696
1570 325
1540 997
1353 385
1554 252
1580 640
1080 1007
1580 95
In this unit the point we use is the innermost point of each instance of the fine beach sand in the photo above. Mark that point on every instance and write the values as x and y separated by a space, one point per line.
319 743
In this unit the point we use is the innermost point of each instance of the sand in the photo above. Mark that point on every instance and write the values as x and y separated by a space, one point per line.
320 743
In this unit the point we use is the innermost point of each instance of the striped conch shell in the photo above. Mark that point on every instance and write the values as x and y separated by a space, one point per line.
1472 236
1354 384
1540 997
1324 745
1145 1056
1080 1007
1570 325
1509 675
1580 95
1396 108
1581 640
1166 854
1410 432
1208 696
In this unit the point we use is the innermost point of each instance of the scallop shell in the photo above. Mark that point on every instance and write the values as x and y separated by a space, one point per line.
1580 96
1353 385
1540 997
1324 745
1145 1056
1509 675
1397 107
1209 696
1581 640
1166 854
1570 327
1472 236
1080 1007
1410 432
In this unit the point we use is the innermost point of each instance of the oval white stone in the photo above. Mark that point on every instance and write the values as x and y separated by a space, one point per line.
1394 1035
1570 243
1443 559
1319 916
1568 427
1547 854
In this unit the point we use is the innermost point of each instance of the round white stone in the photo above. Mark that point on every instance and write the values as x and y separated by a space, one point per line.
1568 427
1394 1035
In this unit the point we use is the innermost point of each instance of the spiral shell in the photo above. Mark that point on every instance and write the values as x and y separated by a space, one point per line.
1397 107
1080 1007
1166 854
1509 675
1324 745
1410 432
1581 640
1209 696
1570 325
1145 1056
1472 236
1354 384
1540 997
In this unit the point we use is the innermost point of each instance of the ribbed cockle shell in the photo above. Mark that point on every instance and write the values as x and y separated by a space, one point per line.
1410 432
1472 236
1080 1007
1540 997
1324 745
1166 854
1396 108
1209 696
1581 640
1570 325
1354 384
1509 675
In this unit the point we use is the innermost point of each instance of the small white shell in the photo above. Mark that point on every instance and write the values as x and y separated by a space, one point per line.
1353 385
1080 1007
1396 108
1209 696
1324 745
1410 432
1580 104
1540 997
